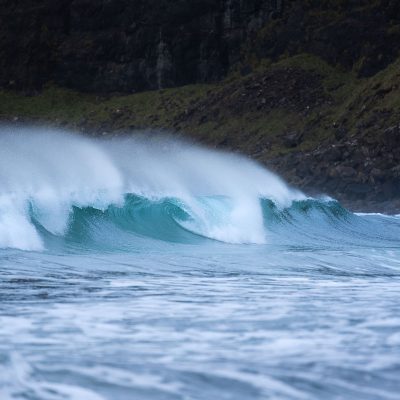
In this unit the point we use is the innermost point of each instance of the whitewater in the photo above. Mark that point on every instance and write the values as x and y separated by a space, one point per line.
145 267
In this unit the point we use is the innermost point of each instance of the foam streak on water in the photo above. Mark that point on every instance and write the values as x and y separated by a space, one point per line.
153 269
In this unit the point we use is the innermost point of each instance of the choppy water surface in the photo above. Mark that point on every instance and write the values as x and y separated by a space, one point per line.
137 270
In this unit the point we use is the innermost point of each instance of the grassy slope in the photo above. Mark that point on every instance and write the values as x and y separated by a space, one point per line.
230 113
347 143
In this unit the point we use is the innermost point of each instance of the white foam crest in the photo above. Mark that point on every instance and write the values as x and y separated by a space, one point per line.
46 172
16 231
49 171
167 168
171 168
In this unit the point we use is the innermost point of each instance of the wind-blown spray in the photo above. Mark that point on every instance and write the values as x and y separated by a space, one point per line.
45 174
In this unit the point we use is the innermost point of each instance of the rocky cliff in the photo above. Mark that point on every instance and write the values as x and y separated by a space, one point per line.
125 45
134 45
310 88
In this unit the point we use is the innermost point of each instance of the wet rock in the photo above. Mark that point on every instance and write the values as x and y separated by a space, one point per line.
333 154
346 171
359 188
391 189
340 133
293 139
392 136
377 173
395 171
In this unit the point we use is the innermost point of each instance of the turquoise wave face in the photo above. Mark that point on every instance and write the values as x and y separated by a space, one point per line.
126 227
140 221
127 194
159 270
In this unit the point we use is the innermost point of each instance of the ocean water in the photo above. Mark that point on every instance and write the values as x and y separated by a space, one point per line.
148 268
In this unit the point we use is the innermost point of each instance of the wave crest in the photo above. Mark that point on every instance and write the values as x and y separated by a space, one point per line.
47 176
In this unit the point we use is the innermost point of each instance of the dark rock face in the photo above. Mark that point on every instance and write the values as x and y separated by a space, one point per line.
357 35
134 45
123 45
29 34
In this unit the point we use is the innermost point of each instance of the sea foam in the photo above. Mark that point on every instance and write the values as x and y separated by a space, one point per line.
45 172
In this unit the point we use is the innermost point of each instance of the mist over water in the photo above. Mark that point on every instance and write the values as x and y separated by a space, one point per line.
151 268
45 174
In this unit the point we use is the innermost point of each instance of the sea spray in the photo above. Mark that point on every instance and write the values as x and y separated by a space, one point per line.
169 271
45 173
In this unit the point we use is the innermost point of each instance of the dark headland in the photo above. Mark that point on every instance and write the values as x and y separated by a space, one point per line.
310 88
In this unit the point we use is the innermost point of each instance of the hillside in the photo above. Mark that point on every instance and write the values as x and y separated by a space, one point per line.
309 88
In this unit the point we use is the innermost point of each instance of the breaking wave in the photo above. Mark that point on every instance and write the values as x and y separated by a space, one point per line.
61 189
